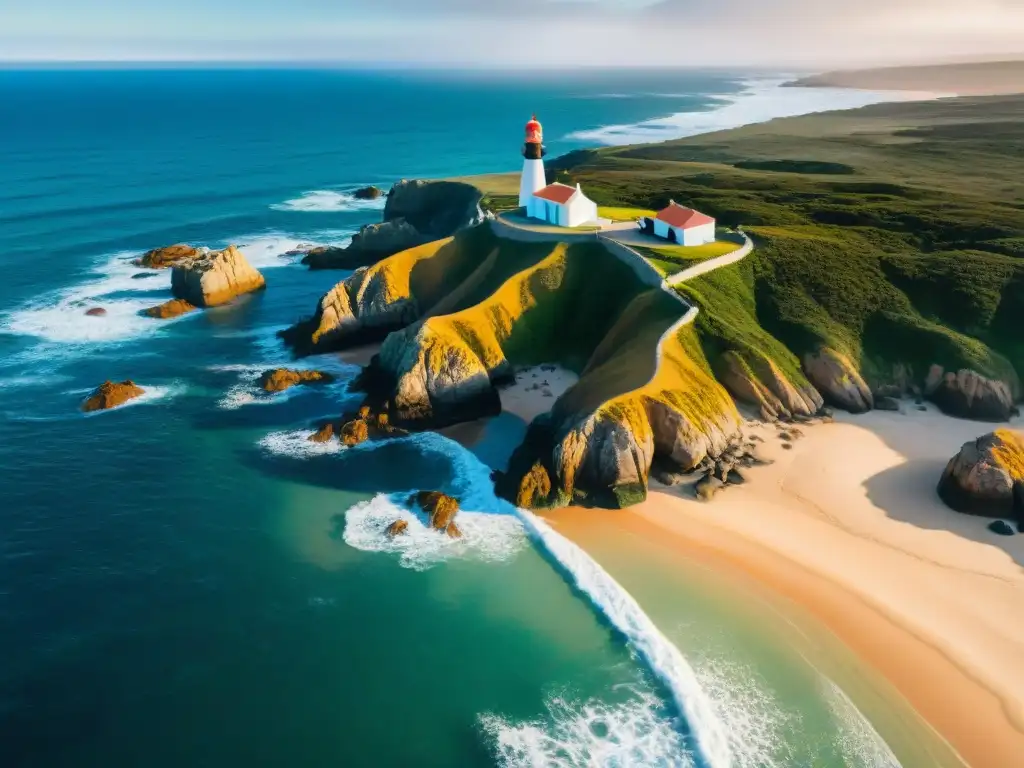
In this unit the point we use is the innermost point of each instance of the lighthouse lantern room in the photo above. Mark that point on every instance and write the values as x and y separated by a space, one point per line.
533 178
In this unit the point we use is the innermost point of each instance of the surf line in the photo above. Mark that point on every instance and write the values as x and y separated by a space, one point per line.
660 655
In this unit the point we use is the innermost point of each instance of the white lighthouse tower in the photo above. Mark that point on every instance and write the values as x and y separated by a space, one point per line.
533 165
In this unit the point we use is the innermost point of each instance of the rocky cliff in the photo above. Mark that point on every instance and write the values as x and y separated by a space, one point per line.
214 277
416 212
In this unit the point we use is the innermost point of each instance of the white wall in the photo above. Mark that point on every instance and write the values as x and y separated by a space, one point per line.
581 211
532 180
705 233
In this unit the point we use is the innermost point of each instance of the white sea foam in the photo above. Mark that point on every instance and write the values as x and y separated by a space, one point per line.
296 444
60 317
487 537
756 724
660 655
246 392
758 102
584 735
329 201
856 740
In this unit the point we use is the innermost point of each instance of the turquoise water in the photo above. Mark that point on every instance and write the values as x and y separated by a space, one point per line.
186 580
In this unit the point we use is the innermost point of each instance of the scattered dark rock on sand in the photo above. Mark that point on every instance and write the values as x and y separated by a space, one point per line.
397 528
887 403
280 379
169 309
440 509
111 394
707 487
368 193
1001 528
987 476
96 312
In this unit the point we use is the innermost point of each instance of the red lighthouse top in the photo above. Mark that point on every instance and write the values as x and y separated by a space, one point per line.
534 132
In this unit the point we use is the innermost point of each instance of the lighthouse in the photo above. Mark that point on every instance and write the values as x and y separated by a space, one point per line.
533 166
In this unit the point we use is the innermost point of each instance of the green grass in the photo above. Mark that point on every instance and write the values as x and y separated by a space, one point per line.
914 259
683 256
616 213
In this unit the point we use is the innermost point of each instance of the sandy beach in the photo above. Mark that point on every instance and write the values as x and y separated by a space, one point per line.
847 525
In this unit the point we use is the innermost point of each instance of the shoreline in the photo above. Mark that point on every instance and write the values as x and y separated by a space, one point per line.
843 527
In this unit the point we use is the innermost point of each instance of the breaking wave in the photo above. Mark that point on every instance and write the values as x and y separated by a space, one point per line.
329 201
856 740
583 734
758 102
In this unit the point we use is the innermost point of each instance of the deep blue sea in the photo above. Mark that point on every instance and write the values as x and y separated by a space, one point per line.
187 581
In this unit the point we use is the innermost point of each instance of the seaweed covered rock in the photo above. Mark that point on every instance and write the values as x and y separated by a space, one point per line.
416 212
969 395
214 277
111 394
170 309
838 380
280 379
163 258
987 476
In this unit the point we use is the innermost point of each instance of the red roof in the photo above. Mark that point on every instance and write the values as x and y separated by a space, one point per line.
556 193
683 218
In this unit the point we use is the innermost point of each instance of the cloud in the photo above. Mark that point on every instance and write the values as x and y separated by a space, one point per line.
513 33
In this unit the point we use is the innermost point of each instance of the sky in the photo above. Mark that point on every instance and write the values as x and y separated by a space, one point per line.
515 33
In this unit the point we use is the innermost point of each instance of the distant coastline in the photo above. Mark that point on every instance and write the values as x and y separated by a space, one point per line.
974 79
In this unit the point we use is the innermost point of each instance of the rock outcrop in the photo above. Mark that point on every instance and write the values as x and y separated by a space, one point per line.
324 434
416 212
368 193
280 379
111 394
397 528
969 395
215 277
95 312
987 476
169 309
355 428
440 510
762 384
162 258
838 380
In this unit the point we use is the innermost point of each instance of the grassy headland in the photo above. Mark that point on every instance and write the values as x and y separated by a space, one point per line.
908 255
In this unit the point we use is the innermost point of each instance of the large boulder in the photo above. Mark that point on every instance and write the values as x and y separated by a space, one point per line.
215 277
433 380
416 212
987 476
280 379
969 395
838 380
111 394
162 258
368 193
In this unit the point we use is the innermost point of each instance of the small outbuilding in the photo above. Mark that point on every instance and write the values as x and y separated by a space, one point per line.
685 226
562 205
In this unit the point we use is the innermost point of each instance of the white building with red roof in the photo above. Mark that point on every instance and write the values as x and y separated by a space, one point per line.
562 205
685 226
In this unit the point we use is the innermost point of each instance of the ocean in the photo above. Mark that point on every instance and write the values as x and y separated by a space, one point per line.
187 581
